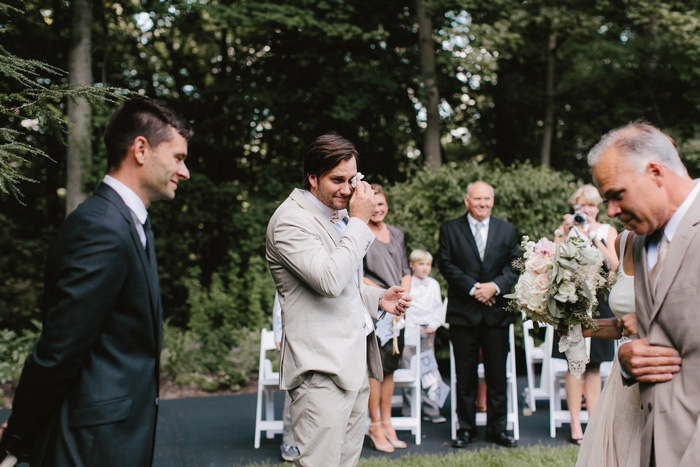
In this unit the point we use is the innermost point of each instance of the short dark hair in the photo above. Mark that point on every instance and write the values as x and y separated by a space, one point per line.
141 117
326 152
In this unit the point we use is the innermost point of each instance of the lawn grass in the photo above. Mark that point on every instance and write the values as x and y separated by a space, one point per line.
564 456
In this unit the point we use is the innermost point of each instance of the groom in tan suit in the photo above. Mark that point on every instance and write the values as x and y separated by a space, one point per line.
647 186
315 252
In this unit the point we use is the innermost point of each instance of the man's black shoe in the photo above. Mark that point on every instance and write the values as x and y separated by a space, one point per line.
502 439
462 440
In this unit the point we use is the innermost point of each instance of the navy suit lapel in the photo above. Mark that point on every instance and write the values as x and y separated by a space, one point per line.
492 237
150 268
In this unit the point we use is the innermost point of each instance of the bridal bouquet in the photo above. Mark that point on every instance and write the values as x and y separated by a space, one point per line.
557 286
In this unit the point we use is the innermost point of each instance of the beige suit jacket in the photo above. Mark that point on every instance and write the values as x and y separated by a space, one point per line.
672 318
315 274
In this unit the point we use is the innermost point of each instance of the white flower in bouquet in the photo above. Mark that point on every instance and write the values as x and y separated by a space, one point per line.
557 286
566 292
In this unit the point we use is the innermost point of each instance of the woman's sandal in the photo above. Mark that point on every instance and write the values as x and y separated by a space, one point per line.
388 447
398 443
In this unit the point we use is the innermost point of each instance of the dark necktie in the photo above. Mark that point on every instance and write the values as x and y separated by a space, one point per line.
150 250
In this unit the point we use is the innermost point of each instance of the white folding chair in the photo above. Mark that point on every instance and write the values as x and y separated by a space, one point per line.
409 378
535 355
512 421
268 383
557 392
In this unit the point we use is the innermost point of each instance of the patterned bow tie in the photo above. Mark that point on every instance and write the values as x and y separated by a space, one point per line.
339 215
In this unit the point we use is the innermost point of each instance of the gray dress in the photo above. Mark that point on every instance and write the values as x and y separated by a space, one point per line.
385 264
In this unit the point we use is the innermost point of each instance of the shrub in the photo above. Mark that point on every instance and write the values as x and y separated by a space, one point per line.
208 362
14 350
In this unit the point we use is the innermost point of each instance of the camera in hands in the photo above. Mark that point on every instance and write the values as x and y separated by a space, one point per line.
579 216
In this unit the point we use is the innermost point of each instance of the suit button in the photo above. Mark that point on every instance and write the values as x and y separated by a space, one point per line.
156 402
649 406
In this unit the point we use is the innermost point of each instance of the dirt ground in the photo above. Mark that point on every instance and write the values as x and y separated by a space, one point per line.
168 390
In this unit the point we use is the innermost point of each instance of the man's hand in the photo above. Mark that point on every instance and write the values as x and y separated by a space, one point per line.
649 363
362 202
628 324
485 292
395 300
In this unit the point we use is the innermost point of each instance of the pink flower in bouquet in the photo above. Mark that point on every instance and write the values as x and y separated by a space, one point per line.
538 263
542 281
545 247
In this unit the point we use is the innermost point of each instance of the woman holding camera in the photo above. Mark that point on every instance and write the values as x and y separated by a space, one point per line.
586 202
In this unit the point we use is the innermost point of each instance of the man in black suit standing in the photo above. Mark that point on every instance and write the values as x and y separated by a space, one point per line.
475 257
88 394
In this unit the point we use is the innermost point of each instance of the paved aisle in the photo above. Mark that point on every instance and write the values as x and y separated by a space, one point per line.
218 432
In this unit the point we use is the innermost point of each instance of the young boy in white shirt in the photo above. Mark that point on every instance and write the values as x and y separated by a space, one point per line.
425 317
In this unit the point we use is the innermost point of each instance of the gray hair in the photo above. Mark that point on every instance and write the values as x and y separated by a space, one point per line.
469 187
640 143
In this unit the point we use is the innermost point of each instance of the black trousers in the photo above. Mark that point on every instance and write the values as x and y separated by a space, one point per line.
466 341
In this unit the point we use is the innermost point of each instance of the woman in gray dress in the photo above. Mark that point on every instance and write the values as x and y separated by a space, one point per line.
385 263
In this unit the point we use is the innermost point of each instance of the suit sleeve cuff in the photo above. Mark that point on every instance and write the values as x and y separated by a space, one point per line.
627 379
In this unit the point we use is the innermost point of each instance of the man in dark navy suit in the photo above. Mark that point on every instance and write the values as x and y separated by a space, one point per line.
88 394
475 257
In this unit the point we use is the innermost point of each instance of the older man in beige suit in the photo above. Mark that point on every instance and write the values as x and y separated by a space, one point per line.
328 347
647 186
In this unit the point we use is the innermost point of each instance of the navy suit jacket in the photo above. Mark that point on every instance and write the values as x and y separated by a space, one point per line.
459 263
88 393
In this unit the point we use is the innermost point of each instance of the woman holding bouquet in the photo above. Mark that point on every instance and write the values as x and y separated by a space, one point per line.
385 263
583 223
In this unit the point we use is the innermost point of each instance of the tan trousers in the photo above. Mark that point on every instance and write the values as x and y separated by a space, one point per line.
328 422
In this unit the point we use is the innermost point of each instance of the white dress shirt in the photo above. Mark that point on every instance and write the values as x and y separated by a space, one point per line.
672 226
485 236
138 210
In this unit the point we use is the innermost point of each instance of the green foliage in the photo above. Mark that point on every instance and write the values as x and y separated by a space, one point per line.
28 105
22 251
221 343
208 362
14 350
232 300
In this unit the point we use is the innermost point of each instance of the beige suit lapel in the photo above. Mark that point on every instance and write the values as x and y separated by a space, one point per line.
643 296
677 250
301 199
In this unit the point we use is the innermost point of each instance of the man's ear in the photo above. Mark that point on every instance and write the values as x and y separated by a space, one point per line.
657 172
313 181
139 147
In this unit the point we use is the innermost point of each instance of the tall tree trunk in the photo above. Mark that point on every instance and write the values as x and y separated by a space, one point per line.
79 153
431 145
546 155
